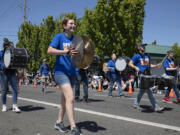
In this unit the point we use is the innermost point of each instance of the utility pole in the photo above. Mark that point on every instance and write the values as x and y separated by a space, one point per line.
24 11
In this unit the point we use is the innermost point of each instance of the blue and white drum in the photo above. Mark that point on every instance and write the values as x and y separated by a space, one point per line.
122 63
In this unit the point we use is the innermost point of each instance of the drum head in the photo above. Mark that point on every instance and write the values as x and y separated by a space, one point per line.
120 64
77 43
7 58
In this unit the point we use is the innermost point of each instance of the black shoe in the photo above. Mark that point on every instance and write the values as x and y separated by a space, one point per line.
75 131
77 100
42 89
60 126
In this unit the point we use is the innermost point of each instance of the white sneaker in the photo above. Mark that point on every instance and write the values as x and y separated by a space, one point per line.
4 108
16 109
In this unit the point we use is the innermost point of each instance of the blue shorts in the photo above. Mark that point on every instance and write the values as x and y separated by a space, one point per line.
62 79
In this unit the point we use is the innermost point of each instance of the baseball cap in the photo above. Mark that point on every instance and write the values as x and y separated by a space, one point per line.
141 44
44 60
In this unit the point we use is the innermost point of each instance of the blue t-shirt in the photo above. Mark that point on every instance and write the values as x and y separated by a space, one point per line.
63 63
44 69
112 72
141 61
168 64
1 60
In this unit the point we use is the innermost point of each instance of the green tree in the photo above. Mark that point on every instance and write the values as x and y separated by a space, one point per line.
114 26
176 50
154 42
46 34
28 36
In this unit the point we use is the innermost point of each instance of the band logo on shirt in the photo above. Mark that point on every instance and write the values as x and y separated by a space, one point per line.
144 61
66 46
171 64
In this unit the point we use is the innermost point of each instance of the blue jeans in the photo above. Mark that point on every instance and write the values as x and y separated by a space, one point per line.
175 90
112 81
81 77
150 95
4 79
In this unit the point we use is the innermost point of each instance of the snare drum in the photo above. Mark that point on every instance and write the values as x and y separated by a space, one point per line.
15 58
122 63
168 80
147 81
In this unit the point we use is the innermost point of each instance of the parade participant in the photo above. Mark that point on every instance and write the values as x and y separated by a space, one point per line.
64 73
142 64
171 70
44 73
8 76
81 76
114 76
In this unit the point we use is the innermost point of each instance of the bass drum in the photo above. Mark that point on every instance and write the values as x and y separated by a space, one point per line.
15 58
121 63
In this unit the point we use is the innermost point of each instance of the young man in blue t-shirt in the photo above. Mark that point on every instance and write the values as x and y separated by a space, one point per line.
114 76
171 70
44 72
141 62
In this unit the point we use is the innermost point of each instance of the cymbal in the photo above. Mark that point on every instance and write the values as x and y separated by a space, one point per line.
77 43
88 55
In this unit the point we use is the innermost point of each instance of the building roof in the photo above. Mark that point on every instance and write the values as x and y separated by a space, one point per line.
157 49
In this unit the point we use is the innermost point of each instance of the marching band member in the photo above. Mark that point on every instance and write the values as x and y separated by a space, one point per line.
170 70
141 63
8 76
44 73
114 76
81 76
64 73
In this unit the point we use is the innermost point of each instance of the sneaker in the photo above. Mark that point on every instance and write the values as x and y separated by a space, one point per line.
159 109
136 106
60 126
75 131
167 100
77 100
16 109
4 108
85 101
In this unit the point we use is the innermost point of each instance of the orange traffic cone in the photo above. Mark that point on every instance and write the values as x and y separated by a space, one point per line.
130 91
57 86
19 83
99 87
35 85
171 94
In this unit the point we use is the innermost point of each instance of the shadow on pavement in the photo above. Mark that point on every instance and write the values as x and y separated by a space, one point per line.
48 91
95 100
91 126
29 108
149 109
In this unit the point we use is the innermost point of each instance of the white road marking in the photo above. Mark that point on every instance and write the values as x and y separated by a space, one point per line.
159 125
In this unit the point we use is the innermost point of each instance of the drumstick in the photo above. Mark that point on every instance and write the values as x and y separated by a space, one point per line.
160 65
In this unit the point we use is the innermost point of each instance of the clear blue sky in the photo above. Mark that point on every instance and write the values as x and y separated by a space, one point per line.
162 21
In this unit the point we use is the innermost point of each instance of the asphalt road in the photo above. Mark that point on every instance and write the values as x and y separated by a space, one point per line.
102 115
